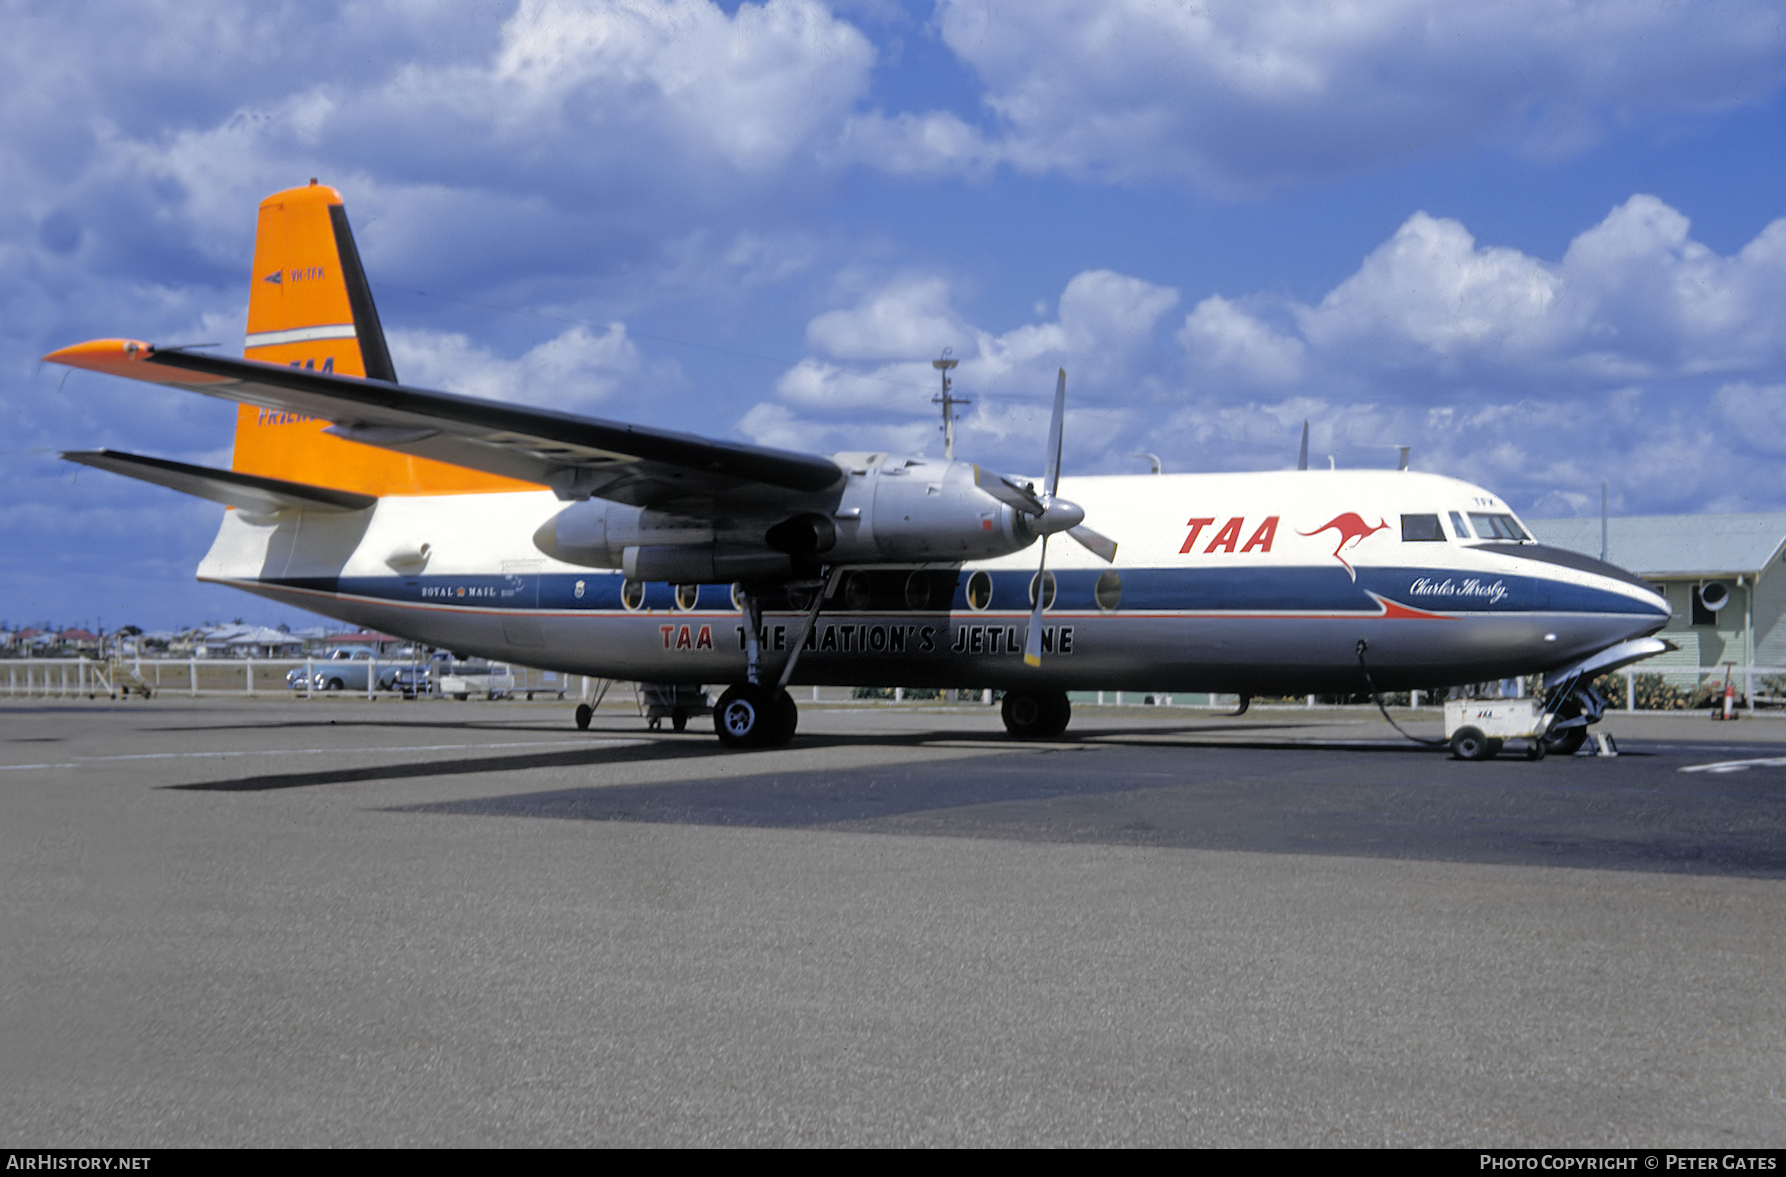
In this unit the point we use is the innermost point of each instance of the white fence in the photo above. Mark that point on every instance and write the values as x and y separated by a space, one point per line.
74 677
195 677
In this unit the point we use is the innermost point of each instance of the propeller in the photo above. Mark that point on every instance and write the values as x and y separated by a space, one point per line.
1048 514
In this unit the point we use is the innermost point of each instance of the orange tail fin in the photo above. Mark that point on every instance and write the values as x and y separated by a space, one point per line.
309 305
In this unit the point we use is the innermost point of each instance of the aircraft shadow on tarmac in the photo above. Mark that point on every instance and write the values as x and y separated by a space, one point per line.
1619 815
642 746
1179 787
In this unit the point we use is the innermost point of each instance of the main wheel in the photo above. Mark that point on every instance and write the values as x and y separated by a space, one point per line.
1535 749
787 718
679 719
753 716
1036 715
585 713
1468 743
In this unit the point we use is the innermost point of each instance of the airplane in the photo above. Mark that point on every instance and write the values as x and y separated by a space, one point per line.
595 547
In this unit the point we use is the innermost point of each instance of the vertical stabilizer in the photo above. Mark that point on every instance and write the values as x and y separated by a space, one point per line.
310 306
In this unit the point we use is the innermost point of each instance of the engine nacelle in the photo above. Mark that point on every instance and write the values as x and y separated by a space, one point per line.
652 545
890 510
905 509
596 533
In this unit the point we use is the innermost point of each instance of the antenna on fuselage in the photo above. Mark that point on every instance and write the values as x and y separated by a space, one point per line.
1153 460
948 402
1404 449
1602 522
1302 457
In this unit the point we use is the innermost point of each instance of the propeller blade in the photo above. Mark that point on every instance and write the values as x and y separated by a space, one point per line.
1032 645
1101 546
1008 492
1051 482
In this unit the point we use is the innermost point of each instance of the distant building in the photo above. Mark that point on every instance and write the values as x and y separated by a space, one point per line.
1686 556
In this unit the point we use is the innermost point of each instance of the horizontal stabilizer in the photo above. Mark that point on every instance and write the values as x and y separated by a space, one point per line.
247 491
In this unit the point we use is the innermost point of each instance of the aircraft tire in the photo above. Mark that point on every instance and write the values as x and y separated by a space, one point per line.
753 716
679 719
1535 749
1036 715
787 718
585 713
1468 743
1568 741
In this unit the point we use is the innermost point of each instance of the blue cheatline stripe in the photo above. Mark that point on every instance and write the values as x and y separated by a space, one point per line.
1304 590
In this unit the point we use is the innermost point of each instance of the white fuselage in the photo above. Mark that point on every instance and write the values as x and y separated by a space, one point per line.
1256 583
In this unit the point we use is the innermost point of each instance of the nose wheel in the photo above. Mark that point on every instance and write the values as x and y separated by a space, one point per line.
751 715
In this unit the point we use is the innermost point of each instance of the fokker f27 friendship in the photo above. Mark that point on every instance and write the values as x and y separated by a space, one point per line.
594 547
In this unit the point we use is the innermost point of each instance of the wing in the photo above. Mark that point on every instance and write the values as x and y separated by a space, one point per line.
578 457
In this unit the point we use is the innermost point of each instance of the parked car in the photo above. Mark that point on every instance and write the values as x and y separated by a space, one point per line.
347 669
413 681
462 680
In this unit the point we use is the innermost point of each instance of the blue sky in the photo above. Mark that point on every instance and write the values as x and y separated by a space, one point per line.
1539 241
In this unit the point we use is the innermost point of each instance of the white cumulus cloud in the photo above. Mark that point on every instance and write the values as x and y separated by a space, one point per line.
1235 94
905 320
574 371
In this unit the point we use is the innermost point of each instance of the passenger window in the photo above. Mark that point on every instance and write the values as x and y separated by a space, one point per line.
1458 527
1109 591
1421 529
979 591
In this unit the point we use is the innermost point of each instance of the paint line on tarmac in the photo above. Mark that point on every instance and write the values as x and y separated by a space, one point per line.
595 743
1724 766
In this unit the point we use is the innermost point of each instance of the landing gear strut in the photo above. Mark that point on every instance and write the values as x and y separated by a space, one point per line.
755 713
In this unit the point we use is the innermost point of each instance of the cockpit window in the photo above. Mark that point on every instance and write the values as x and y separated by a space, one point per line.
1458 527
1497 527
1421 529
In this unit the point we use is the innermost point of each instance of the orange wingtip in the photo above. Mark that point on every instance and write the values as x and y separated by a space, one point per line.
124 357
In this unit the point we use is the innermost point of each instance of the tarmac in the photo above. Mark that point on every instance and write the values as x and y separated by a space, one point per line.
285 923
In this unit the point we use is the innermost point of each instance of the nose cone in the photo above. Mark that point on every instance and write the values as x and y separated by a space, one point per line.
1647 601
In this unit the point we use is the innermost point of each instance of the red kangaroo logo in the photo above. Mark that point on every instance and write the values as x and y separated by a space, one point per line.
1352 530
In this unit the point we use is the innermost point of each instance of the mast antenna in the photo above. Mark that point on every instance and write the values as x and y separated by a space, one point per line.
942 366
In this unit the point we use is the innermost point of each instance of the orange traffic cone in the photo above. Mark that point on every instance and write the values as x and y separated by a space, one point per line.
1729 711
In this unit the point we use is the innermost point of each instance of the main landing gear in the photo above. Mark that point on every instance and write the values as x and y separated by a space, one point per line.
1036 715
751 715
758 713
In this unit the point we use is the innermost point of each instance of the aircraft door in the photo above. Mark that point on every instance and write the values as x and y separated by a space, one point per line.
519 594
